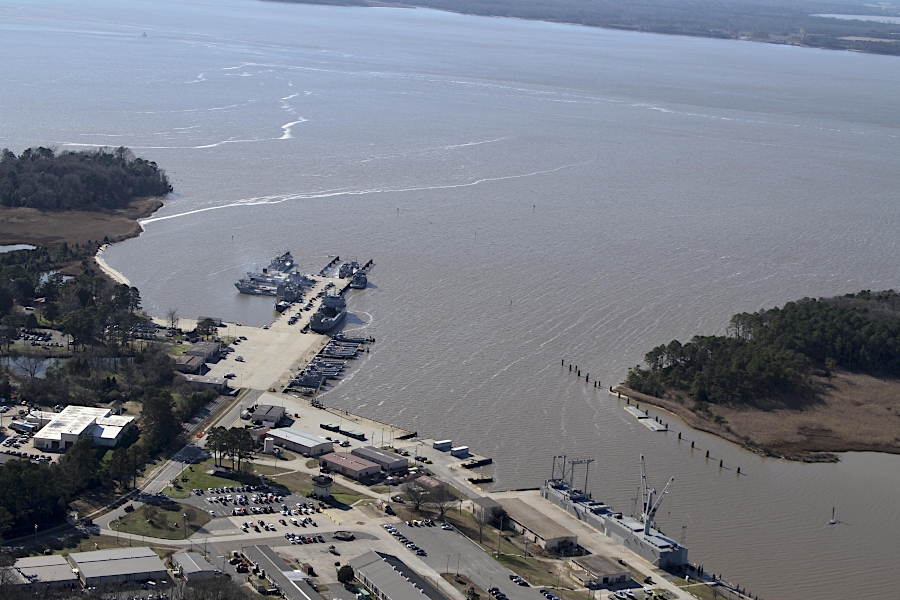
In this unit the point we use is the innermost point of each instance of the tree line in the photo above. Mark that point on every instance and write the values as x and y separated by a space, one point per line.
236 444
40 178
755 19
773 353
39 494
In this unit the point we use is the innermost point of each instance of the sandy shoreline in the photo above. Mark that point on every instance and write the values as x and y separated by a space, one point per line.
110 272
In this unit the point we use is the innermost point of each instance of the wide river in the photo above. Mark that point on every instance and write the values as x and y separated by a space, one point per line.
529 192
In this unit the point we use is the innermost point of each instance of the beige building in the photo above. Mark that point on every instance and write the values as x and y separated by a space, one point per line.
538 528
189 364
595 570
349 465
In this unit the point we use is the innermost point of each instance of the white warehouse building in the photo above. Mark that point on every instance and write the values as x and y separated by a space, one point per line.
76 422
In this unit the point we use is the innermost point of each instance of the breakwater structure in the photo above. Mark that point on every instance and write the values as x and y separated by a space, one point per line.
638 535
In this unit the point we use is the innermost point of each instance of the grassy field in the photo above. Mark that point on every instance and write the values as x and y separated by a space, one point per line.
301 483
197 477
164 520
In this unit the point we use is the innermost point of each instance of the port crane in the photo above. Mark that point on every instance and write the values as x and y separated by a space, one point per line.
648 507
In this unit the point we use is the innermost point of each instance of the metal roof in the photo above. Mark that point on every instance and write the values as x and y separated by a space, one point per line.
387 459
534 521
393 578
280 573
298 437
122 561
348 461
192 562
43 569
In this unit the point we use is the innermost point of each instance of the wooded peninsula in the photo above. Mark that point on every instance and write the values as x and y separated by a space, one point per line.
48 198
773 21
814 376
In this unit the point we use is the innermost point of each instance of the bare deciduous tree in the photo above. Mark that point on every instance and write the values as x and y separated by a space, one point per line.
415 494
30 362
442 499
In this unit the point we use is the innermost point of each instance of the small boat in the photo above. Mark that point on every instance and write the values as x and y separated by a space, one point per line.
833 521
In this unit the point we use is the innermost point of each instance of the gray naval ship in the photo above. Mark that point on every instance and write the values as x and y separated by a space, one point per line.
329 315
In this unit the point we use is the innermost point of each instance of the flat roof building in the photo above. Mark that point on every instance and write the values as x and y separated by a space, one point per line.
267 415
203 382
543 531
389 578
192 566
596 570
389 461
120 565
299 441
485 509
349 465
76 422
205 350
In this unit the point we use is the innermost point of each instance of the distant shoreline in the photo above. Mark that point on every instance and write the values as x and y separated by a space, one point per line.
847 36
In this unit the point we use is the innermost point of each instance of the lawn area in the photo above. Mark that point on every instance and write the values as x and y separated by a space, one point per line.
544 573
164 520
301 483
197 477
312 463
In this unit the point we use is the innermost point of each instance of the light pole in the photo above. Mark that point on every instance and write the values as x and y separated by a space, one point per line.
448 563
184 523
35 534
118 522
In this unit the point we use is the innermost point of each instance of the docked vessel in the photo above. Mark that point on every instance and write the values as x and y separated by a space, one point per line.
257 288
329 315
282 305
359 281
279 279
348 269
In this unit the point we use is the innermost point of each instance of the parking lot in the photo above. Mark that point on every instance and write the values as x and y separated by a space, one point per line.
446 549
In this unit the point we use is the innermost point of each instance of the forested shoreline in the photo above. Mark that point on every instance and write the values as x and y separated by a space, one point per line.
42 179
759 20
771 355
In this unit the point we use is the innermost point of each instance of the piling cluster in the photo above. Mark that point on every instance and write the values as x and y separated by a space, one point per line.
587 376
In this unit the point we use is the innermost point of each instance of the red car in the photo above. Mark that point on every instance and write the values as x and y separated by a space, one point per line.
129 508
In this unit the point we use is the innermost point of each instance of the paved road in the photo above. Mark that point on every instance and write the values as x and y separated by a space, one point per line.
444 548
